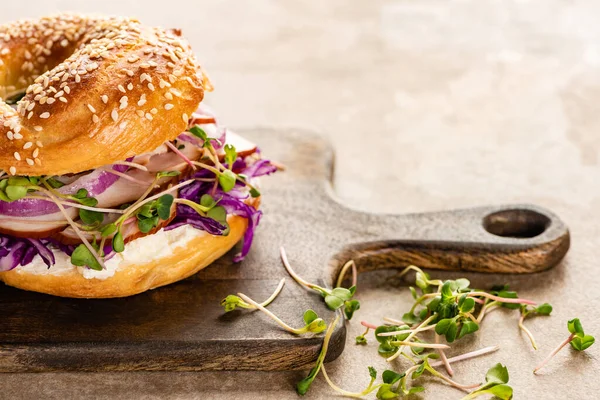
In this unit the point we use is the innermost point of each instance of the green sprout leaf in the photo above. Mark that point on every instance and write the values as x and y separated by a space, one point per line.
199 133
496 384
108 230
410 319
118 243
230 155
497 374
350 307
575 327
163 206
543 309
581 343
227 180
167 174
91 217
372 373
468 327
83 257
254 193
309 316
231 302
15 192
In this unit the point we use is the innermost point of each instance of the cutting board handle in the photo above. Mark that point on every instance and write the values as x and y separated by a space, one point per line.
498 239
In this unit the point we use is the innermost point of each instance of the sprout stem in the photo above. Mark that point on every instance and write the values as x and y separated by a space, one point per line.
501 299
418 344
293 274
180 154
467 356
275 293
346 393
409 337
393 321
342 275
270 314
443 357
368 325
527 331
394 333
556 350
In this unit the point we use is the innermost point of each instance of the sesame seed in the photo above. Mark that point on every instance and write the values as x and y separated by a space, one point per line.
130 86
185 118
67 89
38 129
144 65
95 118
12 170
36 152
38 161
64 43
133 59
31 115
123 99
142 101
151 86
39 144
45 115
43 100
9 135
169 96
29 161
59 94
17 156
92 109
104 98
18 136
64 100
77 78
154 111
50 100
140 113
123 125
30 106
27 145
169 106
121 88
114 115
149 116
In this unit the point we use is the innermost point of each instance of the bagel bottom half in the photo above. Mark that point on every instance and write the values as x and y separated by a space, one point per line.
190 253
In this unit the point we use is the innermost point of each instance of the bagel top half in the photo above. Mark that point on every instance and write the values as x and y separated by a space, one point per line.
98 90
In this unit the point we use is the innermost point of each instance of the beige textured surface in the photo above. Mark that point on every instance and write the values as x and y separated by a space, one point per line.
430 105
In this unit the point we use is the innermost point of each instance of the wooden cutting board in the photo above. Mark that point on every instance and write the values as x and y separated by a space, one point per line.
182 326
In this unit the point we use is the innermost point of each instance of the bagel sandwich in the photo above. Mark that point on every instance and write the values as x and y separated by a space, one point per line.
114 178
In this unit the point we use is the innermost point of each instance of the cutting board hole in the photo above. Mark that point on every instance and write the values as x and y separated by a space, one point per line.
516 223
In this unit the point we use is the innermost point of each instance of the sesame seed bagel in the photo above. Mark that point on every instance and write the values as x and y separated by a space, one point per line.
98 90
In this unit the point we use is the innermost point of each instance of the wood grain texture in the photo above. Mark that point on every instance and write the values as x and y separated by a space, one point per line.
182 327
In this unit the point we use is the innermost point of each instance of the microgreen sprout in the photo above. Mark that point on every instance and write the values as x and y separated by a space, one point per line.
313 324
362 339
225 176
370 387
577 338
334 298
496 384
303 386
232 301
543 309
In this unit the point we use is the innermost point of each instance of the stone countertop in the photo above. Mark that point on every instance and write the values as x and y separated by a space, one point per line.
430 105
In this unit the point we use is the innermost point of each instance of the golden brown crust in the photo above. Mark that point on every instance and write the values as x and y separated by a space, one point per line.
123 89
187 259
